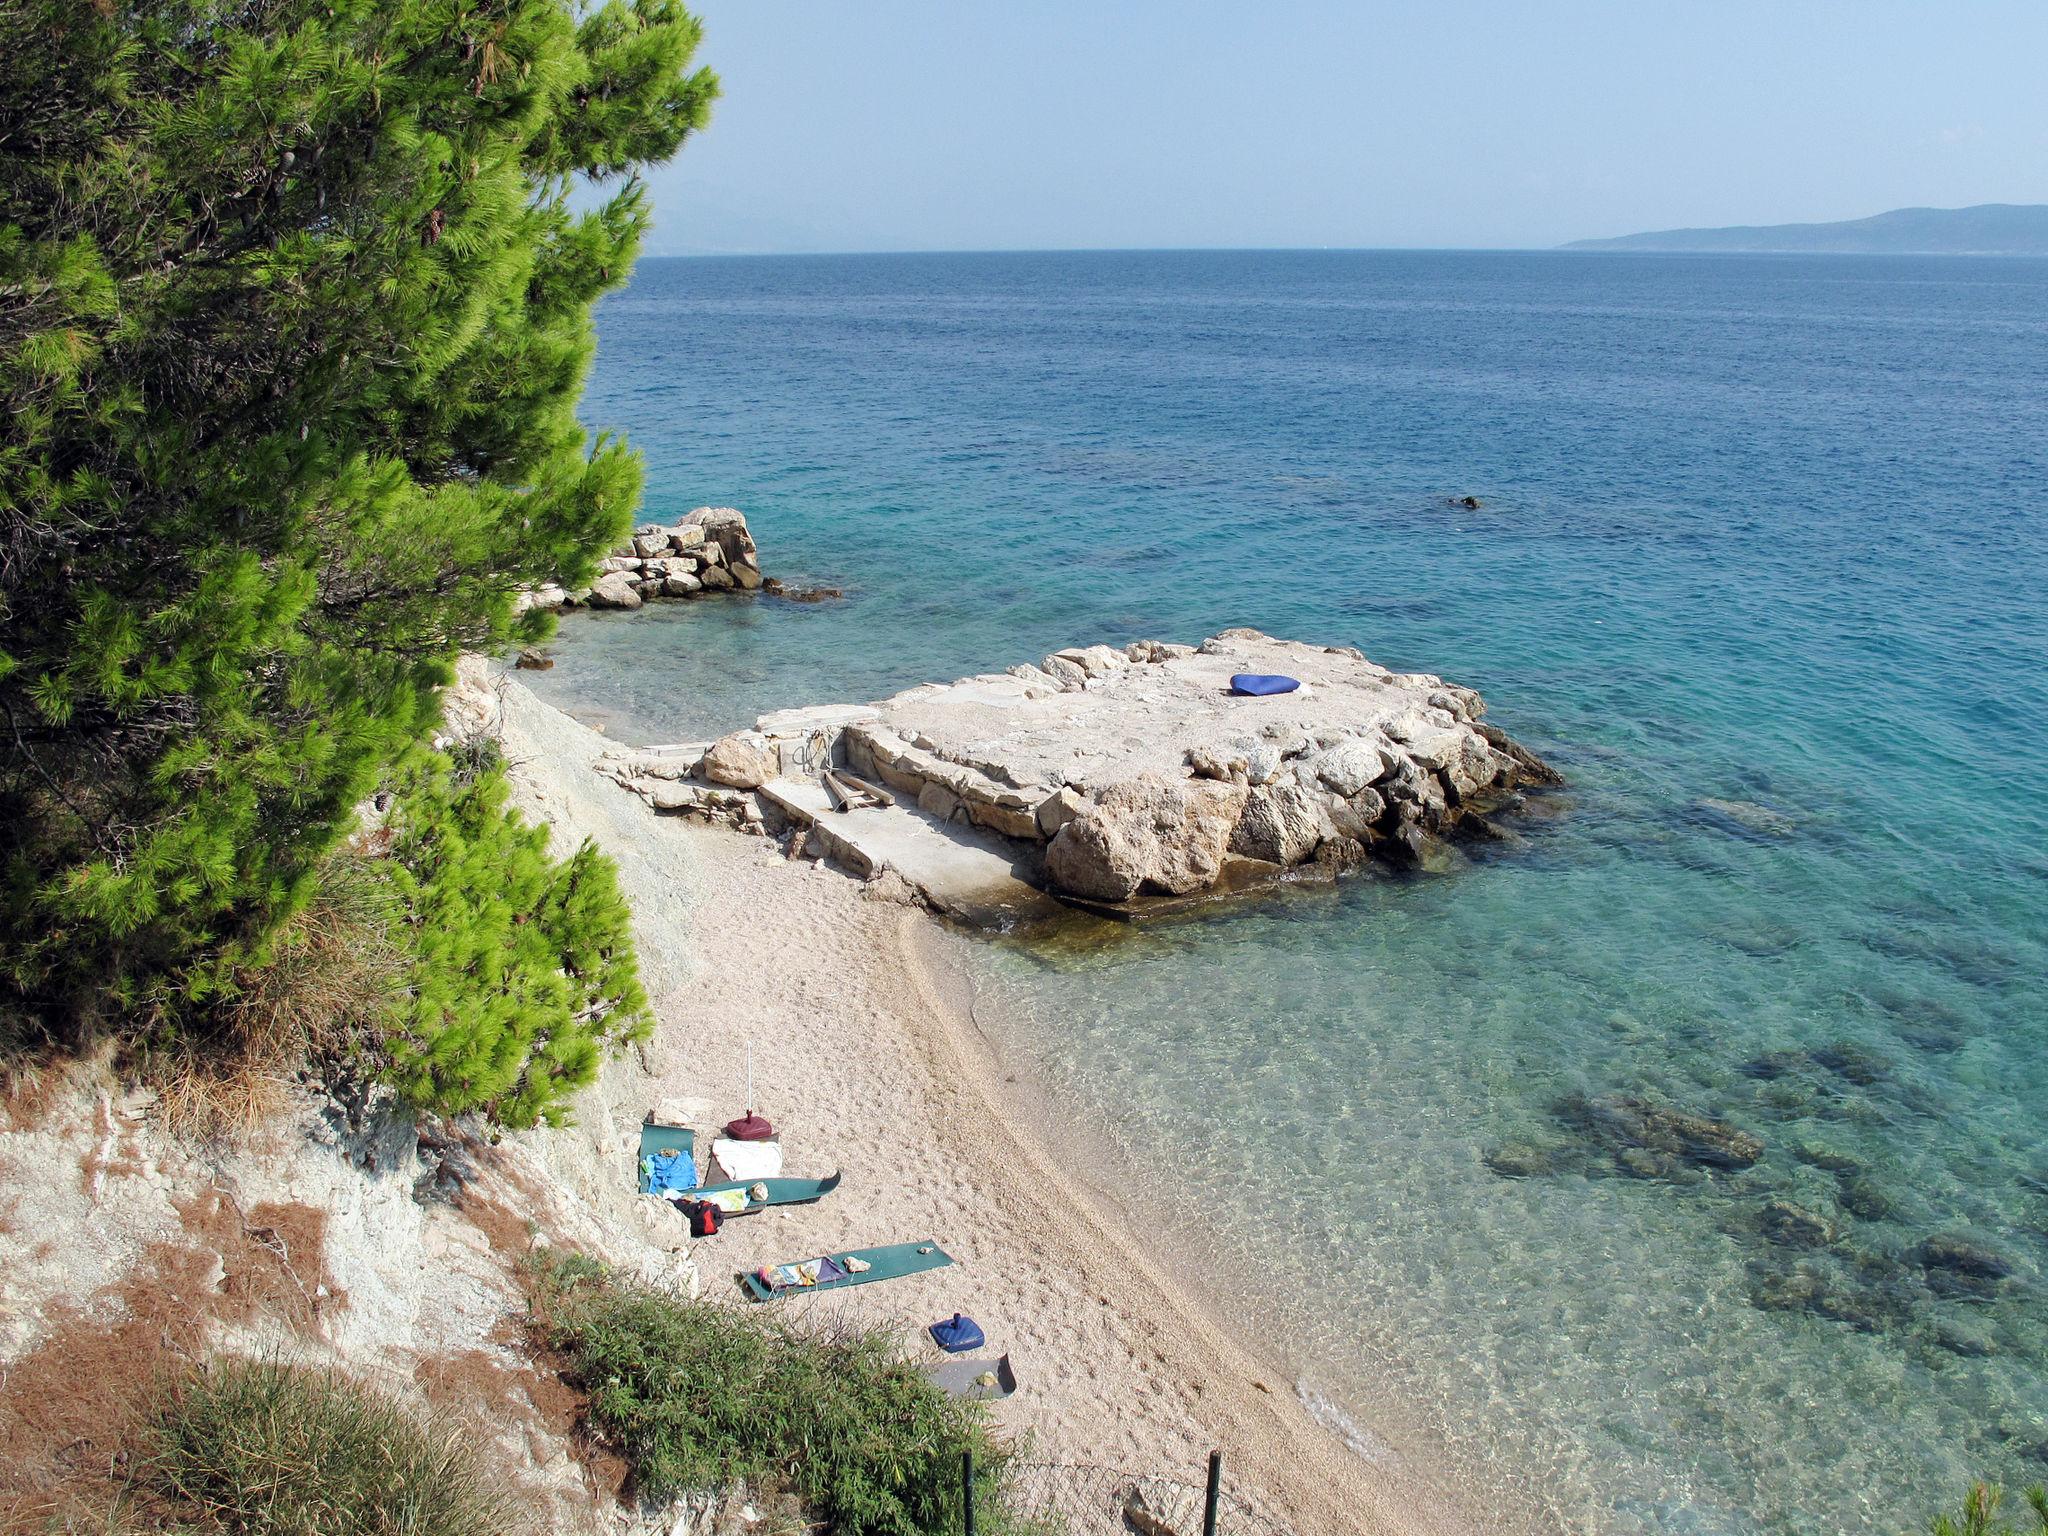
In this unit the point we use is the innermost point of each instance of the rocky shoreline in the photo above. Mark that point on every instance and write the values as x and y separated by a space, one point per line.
710 551
1112 778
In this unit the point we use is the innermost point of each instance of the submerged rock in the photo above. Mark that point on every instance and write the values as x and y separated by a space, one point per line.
1794 1226
1629 1122
1526 1159
1959 1265
1865 1199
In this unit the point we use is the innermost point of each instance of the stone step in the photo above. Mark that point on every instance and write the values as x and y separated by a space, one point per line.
959 871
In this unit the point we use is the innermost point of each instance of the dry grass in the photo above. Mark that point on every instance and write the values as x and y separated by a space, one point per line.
245 1448
333 972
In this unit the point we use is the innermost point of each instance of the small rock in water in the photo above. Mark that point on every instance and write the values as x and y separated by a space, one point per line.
1863 1198
1748 816
1818 1154
1794 1226
1957 1264
1851 1063
531 660
1769 1065
1523 1160
1961 1339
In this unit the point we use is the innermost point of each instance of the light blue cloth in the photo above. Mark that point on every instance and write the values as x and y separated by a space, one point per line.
666 1171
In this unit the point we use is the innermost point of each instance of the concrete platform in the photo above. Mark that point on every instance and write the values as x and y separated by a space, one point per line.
965 875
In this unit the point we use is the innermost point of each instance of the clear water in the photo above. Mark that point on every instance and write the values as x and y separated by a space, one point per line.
1760 566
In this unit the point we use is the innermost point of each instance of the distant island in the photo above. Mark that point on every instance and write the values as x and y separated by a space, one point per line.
1989 229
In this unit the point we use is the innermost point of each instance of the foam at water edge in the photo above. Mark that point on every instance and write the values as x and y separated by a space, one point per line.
1359 1440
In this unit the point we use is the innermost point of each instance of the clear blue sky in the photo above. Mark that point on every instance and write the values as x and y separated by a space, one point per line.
1015 124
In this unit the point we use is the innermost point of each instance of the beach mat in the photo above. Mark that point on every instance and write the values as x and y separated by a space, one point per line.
659 1138
890 1262
961 1378
780 1191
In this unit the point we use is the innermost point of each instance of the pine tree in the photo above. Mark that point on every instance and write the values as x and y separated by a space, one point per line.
294 313
522 970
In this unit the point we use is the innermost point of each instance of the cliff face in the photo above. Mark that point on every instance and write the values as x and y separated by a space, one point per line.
341 1237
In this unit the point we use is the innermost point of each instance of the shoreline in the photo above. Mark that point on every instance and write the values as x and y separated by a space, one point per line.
867 1040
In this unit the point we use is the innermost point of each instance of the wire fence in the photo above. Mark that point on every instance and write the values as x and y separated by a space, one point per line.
1077 1499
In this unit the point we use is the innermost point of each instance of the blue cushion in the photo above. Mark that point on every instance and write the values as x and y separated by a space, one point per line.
1260 684
958 1332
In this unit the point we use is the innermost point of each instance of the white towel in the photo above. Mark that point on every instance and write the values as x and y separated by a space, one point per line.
748 1159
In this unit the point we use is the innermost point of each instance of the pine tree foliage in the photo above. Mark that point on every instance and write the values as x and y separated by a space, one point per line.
522 973
294 311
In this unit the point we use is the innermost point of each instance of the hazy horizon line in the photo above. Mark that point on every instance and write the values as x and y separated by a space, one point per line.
1309 250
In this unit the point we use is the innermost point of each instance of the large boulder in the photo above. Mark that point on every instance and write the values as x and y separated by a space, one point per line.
614 589
1352 764
1283 823
744 760
725 529
1147 833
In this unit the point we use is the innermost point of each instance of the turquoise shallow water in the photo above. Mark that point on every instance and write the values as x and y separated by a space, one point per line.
1760 565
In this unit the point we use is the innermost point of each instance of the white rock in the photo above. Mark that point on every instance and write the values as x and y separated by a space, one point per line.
614 589
1146 834
744 760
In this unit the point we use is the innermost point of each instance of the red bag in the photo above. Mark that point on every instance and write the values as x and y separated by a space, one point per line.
704 1219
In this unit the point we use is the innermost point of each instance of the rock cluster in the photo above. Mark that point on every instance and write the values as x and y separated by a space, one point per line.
1141 775
1118 774
711 550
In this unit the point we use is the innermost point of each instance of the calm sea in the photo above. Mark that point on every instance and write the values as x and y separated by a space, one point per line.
1760 562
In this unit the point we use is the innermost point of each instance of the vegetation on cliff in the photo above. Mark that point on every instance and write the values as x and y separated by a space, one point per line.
248 1448
694 1395
294 313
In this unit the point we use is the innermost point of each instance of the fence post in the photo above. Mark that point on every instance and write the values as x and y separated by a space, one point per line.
1215 1493
967 1492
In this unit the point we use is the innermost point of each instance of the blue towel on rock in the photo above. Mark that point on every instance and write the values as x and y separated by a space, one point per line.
1260 684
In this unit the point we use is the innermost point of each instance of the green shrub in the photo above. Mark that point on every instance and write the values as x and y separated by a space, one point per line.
697 1395
521 971
1979 1514
252 1449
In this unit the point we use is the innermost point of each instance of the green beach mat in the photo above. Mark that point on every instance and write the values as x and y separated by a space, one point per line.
780 1191
659 1138
891 1262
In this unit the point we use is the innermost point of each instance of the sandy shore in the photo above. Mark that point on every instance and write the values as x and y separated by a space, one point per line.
867 1058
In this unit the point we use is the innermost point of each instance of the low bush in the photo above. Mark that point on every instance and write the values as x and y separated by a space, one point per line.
262 1449
696 1395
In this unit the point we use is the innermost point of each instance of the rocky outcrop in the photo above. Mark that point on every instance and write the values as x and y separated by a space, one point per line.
1141 774
1120 774
710 550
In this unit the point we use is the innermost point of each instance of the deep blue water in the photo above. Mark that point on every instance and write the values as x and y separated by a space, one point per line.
1760 565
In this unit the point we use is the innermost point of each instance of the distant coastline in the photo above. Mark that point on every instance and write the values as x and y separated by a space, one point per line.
1989 229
